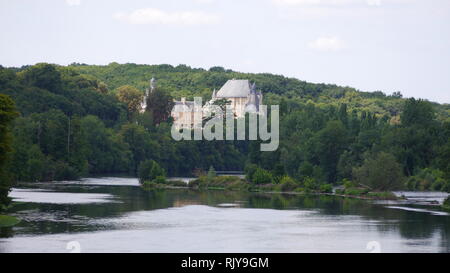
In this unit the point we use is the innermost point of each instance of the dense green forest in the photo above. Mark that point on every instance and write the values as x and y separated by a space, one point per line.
81 120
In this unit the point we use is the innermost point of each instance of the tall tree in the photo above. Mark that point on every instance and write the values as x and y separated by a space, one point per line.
380 172
159 104
7 115
330 143
45 76
131 97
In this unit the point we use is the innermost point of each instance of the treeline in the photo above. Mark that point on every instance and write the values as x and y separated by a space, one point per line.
184 81
81 120
333 145
72 125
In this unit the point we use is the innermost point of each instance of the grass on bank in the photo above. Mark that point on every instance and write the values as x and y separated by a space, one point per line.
161 182
446 204
8 221
234 183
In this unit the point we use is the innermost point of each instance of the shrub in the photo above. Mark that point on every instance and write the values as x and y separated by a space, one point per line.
8 221
176 183
427 179
447 201
411 183
446 204
149 170
250 170
348 183
211 173
262 176
438 184
287 184
380 172
220 182
159 180
356 191
326 188
382 195
150 185
310 184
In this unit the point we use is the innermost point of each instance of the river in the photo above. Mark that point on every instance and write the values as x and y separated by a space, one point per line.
116 215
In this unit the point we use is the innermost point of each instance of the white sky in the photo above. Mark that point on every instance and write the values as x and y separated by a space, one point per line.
387 45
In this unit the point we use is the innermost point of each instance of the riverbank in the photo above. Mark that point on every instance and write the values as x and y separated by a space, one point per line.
233 183
93 211
8 221
446 204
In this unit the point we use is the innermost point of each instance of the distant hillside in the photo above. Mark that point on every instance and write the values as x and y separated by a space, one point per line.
74 122
184 81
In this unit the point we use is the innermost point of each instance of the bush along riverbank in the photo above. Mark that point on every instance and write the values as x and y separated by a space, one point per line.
353 189
258 180
8 221
446 204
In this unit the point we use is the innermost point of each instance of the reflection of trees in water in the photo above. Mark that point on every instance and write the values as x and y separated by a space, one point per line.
5 232
410 225
445 237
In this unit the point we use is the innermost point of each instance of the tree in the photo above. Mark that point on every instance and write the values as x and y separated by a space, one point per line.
149 170
45 76
380 172
140 143
262 176
330 143
160 104
7 115
288 184
211 173
98 145
131 97
417 112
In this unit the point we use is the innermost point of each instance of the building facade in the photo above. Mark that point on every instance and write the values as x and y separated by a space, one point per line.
241 95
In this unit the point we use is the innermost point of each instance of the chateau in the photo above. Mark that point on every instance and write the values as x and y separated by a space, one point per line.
242 96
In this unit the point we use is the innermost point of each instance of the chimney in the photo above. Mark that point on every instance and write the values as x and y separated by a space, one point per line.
183 100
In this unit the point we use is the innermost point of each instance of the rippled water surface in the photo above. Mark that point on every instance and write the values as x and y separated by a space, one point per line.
116 215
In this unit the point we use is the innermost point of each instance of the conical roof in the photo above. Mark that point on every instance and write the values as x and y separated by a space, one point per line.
234 89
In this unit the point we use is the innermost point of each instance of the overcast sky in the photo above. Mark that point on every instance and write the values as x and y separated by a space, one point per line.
387 45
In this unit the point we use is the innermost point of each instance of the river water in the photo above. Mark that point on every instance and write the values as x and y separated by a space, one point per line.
116 215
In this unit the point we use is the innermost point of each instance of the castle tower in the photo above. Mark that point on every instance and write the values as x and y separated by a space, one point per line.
148 91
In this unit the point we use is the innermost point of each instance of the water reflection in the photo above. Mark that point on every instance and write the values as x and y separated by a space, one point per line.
203 221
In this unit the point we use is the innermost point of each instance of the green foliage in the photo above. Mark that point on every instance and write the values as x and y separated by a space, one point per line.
159 180
417 112
149 170
446 204
131 97
382 195
428 179
262 176
288 184
44 76
211 173
159 104
7 115
331 143
250 170
380 172
310 184
356 191
8 221
220 182
326 188
71 125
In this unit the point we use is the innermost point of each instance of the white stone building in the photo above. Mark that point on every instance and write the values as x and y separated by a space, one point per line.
242 96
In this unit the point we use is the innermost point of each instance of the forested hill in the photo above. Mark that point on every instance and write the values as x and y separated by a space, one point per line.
82 120
184 81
